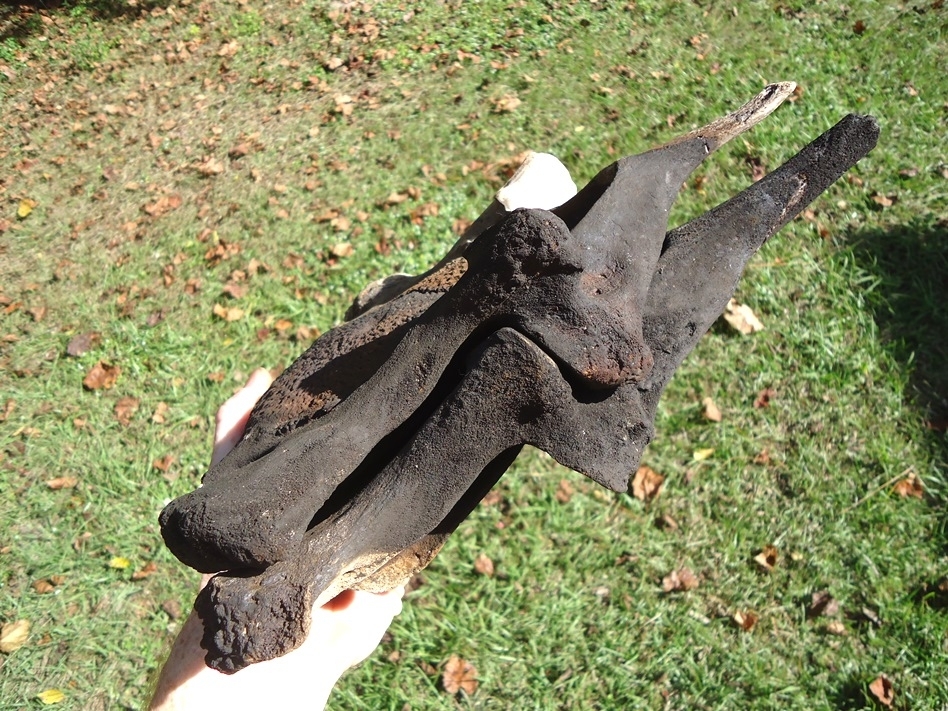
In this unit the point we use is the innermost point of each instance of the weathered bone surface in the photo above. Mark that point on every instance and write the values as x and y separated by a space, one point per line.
557 329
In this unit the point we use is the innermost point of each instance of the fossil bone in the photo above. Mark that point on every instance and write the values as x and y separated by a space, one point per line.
557 329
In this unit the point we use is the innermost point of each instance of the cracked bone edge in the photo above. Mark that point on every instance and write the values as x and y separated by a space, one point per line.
541 181
722 130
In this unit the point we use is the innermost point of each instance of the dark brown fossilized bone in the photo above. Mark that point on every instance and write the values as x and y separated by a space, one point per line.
557 329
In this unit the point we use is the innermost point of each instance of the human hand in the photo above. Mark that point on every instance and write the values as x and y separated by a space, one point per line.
344 632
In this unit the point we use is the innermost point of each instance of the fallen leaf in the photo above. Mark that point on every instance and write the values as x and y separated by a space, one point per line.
8 408
564 491
882 690
13 635
234 290
742 318
342 250
764 397
119 563
699 455
210 167
766 560
232 313
822 604
884 200
836 627
79 541
711 411
125 409
62 482
910 486
459 675
149 569
492 498
25 208
45 586
506 104
101 376
172 608
859 27
677 580
872 616
164 463
745 620
51 696
646 484
163 205
158 416
229 49
483 565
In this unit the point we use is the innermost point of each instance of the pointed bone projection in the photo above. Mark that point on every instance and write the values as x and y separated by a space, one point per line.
557 329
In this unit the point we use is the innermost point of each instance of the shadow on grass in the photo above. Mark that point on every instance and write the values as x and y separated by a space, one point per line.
20 19
911 309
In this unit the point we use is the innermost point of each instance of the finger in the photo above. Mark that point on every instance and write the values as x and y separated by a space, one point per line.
232 415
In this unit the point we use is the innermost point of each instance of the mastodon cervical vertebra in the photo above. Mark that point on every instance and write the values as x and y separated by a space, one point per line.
557 329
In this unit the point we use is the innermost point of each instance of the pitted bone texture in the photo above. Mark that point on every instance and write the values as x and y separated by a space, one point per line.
555 329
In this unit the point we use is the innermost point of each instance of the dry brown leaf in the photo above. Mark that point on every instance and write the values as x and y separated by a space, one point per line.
764 397
62 482
418 215
163 205
228 314
492 498
43 587
745 620
677 580
822 604
125 409
228 49
711 411
8 407
158 416
646 484
564 491
836 627
235 290
164 463
881 689
210 167
910 486
149 569
483 565
13 635
172 608
459 675
394 199
766 560
342 250
741 318
101 376
884 200
506 104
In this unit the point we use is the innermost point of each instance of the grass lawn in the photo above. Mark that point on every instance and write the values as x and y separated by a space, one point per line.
204 186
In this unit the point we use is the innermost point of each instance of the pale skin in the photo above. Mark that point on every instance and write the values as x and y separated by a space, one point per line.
343 633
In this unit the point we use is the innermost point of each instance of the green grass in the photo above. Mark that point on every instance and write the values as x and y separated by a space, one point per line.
110 107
